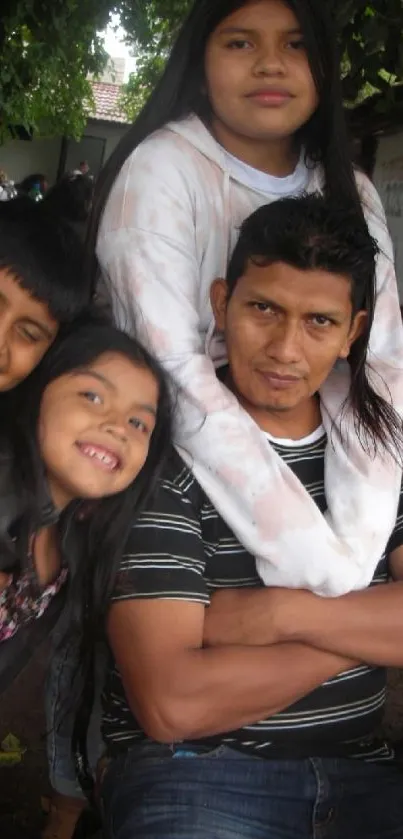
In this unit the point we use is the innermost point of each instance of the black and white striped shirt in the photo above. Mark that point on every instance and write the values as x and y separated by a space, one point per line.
181 549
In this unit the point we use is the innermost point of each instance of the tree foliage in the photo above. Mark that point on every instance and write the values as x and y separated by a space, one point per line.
48 48
370 34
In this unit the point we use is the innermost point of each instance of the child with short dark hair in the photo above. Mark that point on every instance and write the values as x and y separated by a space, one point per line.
42 285
42 290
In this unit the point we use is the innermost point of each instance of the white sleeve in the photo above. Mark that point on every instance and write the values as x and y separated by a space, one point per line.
147 248
386 344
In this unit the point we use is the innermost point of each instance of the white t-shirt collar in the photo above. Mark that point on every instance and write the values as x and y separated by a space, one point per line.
306 441
292 184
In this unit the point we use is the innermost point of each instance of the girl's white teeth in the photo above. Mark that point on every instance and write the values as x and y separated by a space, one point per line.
108 459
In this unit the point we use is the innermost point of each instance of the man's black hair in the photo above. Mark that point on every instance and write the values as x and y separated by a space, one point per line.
312 232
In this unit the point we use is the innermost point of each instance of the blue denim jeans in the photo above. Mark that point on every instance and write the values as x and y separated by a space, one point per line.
157 792
60 719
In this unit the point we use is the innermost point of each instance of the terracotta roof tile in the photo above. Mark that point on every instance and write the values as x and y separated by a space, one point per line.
106 103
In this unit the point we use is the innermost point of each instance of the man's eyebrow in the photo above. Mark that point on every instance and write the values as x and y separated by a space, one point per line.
335 314
323 311
259 297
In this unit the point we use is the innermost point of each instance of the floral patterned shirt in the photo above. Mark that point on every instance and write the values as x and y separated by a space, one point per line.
24 599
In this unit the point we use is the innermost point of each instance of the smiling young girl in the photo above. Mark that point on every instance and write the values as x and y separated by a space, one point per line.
92 424
85 438
248 110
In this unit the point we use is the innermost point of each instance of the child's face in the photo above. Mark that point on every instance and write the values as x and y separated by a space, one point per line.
95 428
26 331
259 80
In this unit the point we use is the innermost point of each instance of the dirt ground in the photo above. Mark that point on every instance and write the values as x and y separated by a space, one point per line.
21 713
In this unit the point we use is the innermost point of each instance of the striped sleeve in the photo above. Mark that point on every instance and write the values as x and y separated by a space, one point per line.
164 557
396 539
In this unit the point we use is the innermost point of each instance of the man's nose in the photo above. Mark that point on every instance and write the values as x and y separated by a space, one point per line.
285 344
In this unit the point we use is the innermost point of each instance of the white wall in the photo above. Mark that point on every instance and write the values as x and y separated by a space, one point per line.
20 158
88 149
112 133
388 179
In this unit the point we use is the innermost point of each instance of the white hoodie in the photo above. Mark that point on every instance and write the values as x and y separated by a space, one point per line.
168 230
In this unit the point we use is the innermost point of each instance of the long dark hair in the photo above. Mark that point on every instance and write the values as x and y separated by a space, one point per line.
106 523
180 92
313 232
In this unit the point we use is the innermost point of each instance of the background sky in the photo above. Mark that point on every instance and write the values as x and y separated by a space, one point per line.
116 48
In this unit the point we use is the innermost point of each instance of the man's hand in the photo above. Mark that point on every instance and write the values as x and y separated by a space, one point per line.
253 617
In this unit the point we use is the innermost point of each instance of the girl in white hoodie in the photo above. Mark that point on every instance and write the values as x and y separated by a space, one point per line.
249 109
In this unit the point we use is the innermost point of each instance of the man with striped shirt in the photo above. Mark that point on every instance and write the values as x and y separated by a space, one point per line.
258 716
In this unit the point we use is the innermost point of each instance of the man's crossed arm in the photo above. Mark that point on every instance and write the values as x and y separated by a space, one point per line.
190 672
364 626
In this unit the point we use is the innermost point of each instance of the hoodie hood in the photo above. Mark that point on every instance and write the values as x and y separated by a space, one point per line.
195 132
239 183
